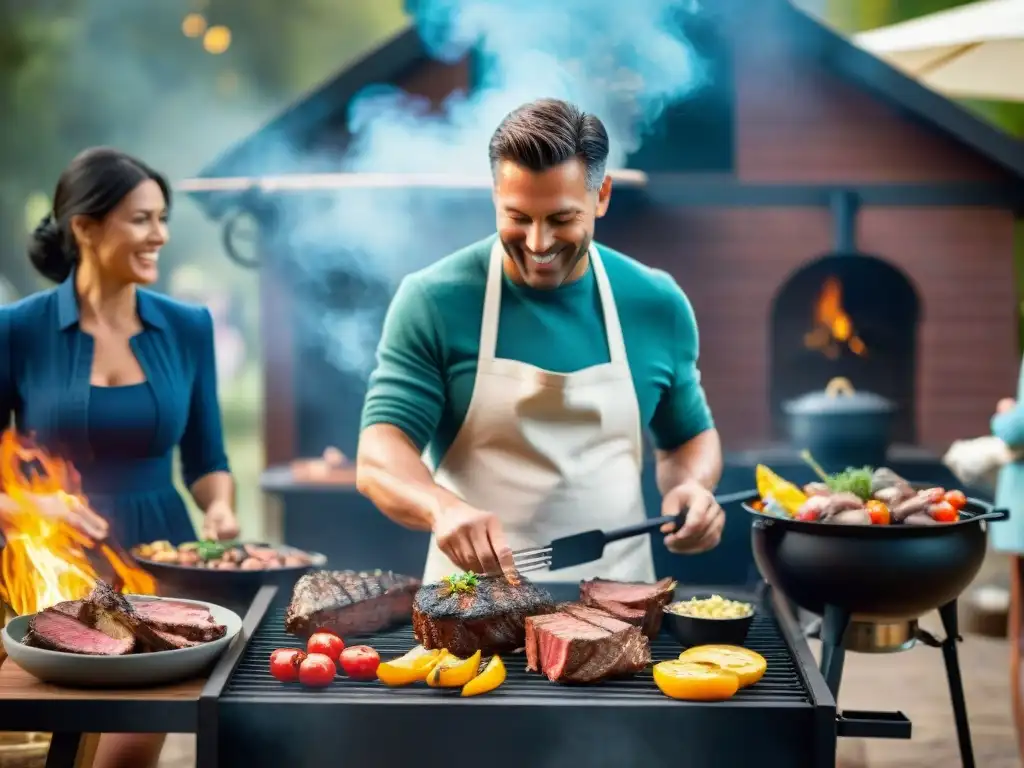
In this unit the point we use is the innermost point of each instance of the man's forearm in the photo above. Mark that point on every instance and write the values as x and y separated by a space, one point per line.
390 472
700 459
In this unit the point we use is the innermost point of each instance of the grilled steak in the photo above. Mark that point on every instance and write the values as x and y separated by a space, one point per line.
581 644
636 603
57 631
490 617
107 624
349 603
185 620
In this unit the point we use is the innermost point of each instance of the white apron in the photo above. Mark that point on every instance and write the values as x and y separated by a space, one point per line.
551 454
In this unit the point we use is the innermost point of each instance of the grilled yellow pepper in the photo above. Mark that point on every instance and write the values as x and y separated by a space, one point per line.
785 494
492 676
411 668
453 672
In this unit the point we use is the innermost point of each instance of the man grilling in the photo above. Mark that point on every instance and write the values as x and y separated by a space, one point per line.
515 377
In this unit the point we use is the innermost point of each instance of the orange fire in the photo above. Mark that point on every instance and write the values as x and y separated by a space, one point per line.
45 559
833 328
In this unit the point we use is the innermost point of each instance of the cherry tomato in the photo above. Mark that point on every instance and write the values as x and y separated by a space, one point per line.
317 670
878 511
956 499
327 643
360 662
284 664
943 512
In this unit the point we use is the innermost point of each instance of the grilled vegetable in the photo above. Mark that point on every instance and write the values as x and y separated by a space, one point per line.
411 668
317 670
694 681
453 672
943 512
749 666
956 499
285 662
360 662
879 512
492 676
327 643
782 492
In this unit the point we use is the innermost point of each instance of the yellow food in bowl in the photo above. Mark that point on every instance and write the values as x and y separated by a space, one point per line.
714 607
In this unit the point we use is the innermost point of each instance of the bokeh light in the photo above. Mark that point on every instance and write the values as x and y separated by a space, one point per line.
217 39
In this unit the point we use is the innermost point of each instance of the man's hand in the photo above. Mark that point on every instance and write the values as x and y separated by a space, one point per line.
473 539
219 522
702 529
1005 405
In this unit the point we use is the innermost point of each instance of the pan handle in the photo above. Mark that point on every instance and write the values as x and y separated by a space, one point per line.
872 725
654 524
993 514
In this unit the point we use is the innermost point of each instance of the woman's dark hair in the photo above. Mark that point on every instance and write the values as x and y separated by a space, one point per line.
92 185
548 132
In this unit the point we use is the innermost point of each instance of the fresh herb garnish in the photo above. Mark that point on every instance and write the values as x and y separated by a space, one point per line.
462 582
850 480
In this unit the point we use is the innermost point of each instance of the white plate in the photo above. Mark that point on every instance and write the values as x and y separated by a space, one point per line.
131 671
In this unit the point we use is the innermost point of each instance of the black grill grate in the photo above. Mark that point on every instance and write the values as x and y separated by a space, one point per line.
781 685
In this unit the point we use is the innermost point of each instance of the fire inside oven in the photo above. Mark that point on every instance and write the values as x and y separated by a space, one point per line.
853 316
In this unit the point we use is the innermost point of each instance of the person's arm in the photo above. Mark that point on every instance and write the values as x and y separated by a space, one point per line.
204 462
687 446
403 407
1009 426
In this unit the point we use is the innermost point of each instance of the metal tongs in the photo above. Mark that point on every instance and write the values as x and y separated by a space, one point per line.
589 546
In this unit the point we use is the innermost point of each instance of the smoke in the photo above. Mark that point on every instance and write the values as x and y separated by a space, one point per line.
623 61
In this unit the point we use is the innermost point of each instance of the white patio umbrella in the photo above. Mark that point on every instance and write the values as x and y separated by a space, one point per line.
975 51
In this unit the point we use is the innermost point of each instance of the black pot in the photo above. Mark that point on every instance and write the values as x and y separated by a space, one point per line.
875 572
234 590
841 427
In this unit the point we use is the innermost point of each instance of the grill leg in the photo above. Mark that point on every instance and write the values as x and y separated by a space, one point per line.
950 625
833 654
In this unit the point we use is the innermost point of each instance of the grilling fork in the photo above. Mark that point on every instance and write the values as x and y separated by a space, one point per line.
588 546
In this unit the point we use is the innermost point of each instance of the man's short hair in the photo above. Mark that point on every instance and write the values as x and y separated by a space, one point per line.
548 132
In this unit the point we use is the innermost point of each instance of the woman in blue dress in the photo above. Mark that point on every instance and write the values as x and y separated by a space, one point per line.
112 376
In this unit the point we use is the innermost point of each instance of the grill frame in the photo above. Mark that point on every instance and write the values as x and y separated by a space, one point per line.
614 724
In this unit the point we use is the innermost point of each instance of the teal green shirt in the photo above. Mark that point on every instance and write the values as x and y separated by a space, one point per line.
427 358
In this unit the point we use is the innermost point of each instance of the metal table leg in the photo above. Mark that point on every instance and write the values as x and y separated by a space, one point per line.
950 626
833 654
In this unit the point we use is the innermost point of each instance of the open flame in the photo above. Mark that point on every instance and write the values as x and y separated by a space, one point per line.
46 560
833 329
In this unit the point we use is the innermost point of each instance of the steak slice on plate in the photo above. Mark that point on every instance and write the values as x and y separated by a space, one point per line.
349 602
184 620
623 599
489 617
57 631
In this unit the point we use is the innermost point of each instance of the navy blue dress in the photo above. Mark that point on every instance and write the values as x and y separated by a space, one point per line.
120 439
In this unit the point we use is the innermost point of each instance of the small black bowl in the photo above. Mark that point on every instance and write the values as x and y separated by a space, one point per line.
691 631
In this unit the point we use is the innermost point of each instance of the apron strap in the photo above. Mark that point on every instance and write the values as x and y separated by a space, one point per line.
612 326
492 306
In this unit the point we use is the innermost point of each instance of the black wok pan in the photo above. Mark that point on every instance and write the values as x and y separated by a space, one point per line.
234 589
876 572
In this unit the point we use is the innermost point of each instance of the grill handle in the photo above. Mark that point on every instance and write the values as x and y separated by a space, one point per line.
861 724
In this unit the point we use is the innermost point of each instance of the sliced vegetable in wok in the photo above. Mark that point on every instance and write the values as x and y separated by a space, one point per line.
857 496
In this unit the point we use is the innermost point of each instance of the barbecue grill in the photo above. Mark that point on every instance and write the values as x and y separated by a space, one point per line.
790 715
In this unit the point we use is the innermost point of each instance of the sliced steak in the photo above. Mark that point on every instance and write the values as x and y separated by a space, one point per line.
183 620
349 603
110 612
57 631
623 598
177 641
490 617
584 645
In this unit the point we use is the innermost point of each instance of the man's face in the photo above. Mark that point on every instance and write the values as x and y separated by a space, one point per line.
546 220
